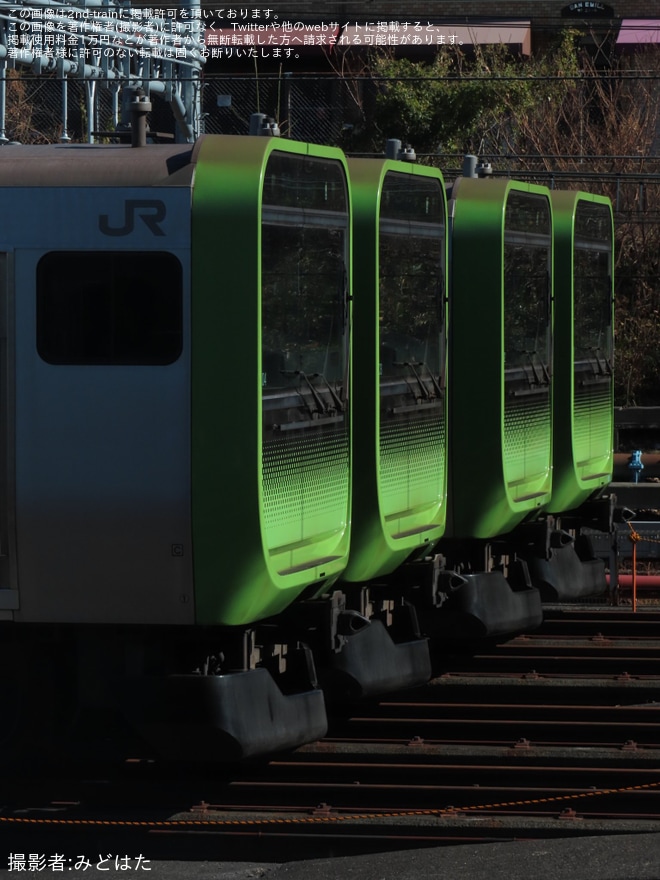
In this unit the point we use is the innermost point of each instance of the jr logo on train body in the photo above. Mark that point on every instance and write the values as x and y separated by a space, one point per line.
150 211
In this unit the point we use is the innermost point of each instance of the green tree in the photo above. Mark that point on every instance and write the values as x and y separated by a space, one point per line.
27 120
555 117
601 135
454 103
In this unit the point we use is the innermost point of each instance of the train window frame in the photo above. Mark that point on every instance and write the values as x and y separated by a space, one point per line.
114 328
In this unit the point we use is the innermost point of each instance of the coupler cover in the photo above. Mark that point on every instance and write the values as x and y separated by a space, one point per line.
566 574
371 663
484 606
223 717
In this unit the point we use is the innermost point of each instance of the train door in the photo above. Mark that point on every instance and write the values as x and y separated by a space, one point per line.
102 412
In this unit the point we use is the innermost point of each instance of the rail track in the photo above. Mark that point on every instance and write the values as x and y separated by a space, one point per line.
553 734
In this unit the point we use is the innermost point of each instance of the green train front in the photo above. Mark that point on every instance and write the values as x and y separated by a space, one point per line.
583 397
270 362
501 417
500 391
400 327
584 344
270 426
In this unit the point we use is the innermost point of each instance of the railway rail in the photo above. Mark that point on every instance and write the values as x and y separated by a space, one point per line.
554 734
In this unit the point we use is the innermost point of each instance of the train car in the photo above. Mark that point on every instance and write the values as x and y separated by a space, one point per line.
176 442
500 447
398 413
583 396
400 352
502 316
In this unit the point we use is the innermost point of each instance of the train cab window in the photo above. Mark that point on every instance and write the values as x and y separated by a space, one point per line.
304 278
411 278
527 267
593 283
107 307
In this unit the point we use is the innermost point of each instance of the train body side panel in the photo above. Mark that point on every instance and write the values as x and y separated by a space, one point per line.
102 442
500 409
270 464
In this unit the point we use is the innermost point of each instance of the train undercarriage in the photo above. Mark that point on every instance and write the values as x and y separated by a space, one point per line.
220 694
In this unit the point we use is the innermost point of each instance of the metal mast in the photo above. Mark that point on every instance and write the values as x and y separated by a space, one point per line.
108 44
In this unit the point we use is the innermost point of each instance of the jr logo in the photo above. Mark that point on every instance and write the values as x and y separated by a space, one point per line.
150 211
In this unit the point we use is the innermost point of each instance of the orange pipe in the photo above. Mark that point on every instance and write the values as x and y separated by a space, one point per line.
644 581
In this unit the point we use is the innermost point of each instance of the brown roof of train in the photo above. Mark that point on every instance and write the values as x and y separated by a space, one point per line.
96 165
